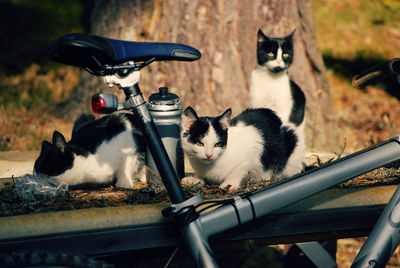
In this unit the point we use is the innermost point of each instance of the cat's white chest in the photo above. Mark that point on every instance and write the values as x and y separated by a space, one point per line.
270 90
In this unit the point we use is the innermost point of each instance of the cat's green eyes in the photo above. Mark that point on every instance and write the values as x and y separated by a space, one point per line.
199 143
271 54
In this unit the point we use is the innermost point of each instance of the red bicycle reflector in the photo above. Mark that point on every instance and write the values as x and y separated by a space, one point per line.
104 103
98 103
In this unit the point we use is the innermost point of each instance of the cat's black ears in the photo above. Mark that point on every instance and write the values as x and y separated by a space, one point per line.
225 119
188 118
46 146
190 112
58 144
59 141
290 36
261 37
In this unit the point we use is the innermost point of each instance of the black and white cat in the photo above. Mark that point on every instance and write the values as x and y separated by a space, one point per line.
271 87
99 151
252 145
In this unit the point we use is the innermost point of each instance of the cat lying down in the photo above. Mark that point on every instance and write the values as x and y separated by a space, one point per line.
98 152
252 145
222 150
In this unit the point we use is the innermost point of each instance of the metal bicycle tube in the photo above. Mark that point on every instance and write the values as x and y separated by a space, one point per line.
195 238
300 187
199 248
384 237
156 147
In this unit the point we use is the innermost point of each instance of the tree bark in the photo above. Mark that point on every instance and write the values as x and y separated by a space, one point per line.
225 31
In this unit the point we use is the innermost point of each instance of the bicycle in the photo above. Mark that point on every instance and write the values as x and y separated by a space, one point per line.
120 63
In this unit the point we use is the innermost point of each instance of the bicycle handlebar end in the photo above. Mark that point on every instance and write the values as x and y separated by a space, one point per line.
361 80
377 72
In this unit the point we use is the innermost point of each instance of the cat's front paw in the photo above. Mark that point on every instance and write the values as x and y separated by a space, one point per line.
190 180
228 186
124 184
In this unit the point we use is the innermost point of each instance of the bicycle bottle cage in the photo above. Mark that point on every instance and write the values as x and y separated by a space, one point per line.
104 56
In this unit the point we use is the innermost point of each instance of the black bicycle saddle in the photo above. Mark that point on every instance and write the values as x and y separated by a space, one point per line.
102 56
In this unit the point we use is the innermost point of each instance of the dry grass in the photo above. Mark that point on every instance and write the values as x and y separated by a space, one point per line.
25 103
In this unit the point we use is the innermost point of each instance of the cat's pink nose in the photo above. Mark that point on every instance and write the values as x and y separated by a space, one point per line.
209 156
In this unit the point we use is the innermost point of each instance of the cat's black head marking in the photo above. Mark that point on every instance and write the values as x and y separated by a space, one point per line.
195 128
268 50
54 158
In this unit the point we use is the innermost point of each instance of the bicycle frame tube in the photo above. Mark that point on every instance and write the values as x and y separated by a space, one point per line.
194 238
153 141
383 239
260 203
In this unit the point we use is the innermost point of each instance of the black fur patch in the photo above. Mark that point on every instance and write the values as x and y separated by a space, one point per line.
81 121
222 133
279 141
198 130
88 138
299 104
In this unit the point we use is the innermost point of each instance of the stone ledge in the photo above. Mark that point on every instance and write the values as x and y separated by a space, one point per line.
20 163
17 163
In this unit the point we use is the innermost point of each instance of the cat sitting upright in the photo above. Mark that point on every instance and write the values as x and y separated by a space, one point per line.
252 145
99 151
271 87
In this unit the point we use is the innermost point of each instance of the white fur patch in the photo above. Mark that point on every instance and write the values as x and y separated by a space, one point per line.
271 90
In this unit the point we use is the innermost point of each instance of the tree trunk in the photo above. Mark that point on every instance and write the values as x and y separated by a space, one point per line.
226 34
